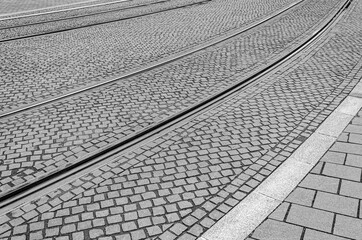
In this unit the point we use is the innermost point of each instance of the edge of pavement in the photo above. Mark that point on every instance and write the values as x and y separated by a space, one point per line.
256 207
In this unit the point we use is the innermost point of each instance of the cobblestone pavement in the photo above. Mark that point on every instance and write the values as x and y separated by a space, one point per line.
40 141
68 24
46 66
178 185
91 9
15 6
327 203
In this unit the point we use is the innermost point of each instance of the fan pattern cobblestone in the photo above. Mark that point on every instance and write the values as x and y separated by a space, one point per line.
53 64
69 24
178 185
36 143
327 203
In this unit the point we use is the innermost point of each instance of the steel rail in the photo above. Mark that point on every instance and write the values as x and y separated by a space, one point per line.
84 15
11 16
150 66
13 197
99 23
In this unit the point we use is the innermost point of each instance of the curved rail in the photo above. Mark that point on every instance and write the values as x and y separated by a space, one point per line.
97 23
13 196
11 16
81 15
150 66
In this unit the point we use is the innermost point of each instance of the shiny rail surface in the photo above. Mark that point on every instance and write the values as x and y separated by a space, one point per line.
72 18
151 66
12 197
78 16
17 15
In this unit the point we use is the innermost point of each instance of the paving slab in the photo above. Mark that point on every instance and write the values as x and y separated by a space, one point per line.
184 182
309 207
327 205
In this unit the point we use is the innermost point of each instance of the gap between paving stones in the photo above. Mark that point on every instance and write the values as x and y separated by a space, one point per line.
248 214
39 11
69 24
299 57
283 60
111 156
4 17
75 13
163 61
74 81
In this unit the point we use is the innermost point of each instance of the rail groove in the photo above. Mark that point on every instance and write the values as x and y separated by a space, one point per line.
11 197
151 66
95 24
5 17
83 15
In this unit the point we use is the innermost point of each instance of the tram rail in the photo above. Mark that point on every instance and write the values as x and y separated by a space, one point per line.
14 32
14 196
151 66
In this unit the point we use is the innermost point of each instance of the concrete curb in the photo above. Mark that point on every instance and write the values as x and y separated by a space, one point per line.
256 207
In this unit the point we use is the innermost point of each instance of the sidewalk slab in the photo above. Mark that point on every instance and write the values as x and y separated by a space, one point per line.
338 194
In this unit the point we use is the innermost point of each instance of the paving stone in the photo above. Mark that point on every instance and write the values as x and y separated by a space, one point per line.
317 169
347 148
351 189
348 227
154 230
245 116
99 222
319 182
134 94
341 171
52 232
301 196
111 229
114 219
334 157
139 234
313 235
271 229
128 226
18 237
351 128
357 121
78 235
68 228
354 160
167 236
336 203
95 233
310 217
187 236
144 222
106 238
280 212
355 138
196 230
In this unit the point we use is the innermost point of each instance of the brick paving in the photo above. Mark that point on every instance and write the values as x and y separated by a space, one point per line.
53 64
179 185
39 141
327 203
